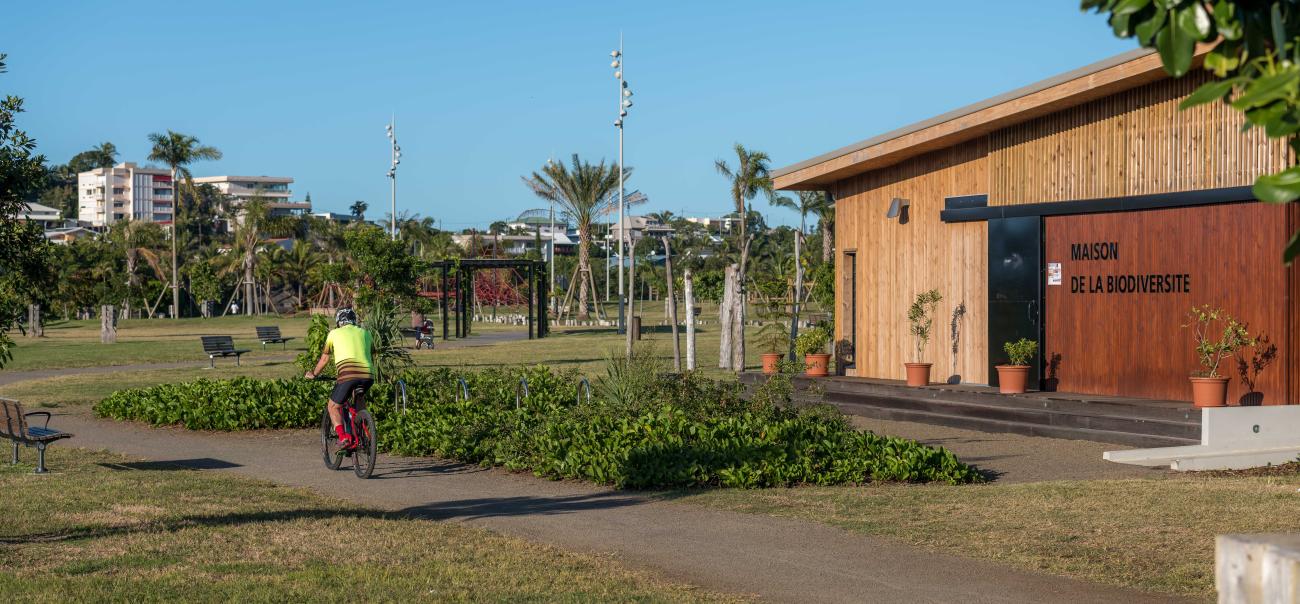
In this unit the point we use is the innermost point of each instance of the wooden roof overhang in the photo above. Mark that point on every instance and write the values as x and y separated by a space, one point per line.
1116 74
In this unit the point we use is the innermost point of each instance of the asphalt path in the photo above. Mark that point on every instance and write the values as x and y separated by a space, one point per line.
776 559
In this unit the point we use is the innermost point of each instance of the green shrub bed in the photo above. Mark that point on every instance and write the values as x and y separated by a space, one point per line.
636 431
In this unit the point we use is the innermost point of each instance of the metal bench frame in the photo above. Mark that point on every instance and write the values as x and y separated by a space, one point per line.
14 424
220 346
271 335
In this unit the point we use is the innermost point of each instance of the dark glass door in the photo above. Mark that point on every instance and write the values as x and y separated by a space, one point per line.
1015 289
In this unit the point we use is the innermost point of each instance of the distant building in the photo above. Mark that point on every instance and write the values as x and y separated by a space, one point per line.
125 192
639 227
716 225
274 190
66 235
45 216
336 217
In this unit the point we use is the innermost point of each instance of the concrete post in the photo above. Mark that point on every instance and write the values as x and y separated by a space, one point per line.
108 324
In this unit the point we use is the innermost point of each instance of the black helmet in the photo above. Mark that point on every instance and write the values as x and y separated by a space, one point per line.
345 316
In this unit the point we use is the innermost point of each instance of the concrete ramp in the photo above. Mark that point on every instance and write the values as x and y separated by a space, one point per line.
1232 438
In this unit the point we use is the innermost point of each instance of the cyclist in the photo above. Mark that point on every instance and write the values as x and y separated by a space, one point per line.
351 347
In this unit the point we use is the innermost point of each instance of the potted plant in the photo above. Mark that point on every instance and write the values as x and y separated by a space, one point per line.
773 340
921 316
1013 378
811 345
1217 335
1249 370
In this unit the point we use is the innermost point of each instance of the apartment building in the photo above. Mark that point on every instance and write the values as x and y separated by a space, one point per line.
274 190
125 192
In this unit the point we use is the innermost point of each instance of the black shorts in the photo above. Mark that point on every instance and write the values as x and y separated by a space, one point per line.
343 389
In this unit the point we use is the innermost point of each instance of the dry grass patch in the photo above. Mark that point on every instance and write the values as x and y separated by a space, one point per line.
98 530
1156 535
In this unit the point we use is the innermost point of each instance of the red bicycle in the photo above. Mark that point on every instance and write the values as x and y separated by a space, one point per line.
361 425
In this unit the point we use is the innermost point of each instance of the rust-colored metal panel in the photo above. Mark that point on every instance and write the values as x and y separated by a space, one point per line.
1128 280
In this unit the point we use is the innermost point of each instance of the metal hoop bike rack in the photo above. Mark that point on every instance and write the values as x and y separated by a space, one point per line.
583 386
522 387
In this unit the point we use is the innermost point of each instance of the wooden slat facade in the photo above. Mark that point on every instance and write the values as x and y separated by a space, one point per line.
897 261
1130 142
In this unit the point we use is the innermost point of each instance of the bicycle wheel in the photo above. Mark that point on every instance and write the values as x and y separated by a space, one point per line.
363 459
329 442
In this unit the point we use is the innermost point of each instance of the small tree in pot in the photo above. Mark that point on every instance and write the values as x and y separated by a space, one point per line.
811 345
1013 378
773 340
1217 336
921 317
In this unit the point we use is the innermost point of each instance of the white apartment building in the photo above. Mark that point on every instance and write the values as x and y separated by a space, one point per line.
272 189
125 192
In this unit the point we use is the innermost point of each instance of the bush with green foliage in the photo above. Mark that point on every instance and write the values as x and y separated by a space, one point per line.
812 341
679 431
1021 351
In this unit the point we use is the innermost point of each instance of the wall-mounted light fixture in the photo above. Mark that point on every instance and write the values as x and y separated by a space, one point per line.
898 209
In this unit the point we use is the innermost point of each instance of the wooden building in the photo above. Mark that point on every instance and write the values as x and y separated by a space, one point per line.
1085 211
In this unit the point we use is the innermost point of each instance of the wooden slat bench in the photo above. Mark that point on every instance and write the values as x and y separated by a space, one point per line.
271 335
220 346
13 426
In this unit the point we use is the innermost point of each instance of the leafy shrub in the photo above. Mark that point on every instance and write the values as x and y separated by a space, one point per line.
812 341
1020 351
679 432
317 331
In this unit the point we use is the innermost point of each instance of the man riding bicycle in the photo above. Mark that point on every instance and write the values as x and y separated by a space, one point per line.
351 347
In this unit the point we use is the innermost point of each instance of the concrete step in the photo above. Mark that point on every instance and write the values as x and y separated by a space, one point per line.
1101 419
1013 427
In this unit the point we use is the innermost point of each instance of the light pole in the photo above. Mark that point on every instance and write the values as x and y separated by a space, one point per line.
624 103
392 175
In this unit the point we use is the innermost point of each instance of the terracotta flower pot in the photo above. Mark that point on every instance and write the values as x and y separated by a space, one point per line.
817 365
770 359
918 374
1209 391
1013 379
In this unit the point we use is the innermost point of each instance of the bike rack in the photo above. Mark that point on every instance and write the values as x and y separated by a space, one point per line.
399 394
523 386
583 385
463 395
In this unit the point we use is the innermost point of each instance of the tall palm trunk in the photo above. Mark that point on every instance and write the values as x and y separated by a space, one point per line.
176 284
828 240
584 269
249 297
798 284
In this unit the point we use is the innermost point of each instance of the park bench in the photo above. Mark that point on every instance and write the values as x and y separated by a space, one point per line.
13 426
220 346
271 335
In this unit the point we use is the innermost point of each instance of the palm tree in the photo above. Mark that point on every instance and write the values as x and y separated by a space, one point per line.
584 192
358 209
298 263
826 222
137 241
178 151
809 202
749 178
103 155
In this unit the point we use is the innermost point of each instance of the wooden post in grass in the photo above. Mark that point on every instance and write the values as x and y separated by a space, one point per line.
34 327
724 320
689 293
108 324
672 307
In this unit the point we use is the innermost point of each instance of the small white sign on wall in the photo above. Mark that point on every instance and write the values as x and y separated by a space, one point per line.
1053 273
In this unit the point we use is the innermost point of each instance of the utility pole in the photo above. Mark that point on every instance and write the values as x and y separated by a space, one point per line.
392 174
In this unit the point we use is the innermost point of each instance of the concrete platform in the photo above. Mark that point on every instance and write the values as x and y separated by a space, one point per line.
1126 421
1232 438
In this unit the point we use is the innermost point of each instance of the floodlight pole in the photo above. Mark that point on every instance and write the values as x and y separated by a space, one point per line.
552 256
392 175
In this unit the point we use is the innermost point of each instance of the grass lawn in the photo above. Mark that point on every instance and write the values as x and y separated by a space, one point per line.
71 344
76 343
1155 535
105 528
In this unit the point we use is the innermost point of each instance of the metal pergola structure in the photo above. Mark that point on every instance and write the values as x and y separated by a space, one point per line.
458 275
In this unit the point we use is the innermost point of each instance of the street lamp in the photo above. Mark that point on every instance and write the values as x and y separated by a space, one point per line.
551 302
392 175
624 103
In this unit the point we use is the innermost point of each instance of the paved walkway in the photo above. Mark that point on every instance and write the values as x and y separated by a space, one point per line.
778 559
1014 457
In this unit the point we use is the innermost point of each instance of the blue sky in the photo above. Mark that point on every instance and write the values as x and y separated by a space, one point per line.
485 92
